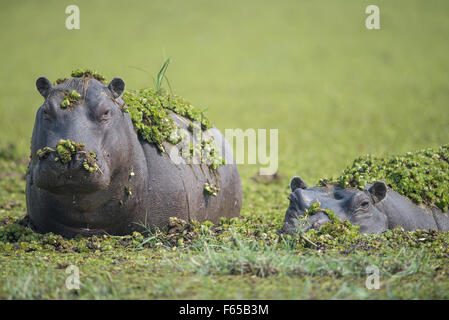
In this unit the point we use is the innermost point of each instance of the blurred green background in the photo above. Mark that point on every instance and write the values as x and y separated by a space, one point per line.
311 69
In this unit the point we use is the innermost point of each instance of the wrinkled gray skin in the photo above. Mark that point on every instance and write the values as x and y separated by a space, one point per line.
375 209
68 200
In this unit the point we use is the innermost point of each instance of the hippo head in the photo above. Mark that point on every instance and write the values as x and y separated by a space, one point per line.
92 118
348 204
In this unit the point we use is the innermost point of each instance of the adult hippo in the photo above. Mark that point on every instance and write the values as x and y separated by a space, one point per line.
375 209
91 173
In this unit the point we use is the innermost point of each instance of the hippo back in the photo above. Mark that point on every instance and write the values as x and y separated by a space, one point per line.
402 212
176 188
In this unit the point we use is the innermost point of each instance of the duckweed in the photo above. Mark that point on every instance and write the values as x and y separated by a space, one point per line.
149 117
70 99
84 73
42 153
59 81
90 162
150 111
167 250
128 191
66 149
211 189
335 236
17 236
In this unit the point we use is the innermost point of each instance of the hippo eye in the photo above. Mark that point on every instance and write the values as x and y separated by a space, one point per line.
364 204
105 115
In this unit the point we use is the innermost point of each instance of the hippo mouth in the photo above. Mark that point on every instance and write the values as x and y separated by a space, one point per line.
298 221
296 218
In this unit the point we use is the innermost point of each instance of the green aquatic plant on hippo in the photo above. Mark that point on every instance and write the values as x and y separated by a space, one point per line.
422 176
70 99
151 120
85 73
90 162
65 149
211 189
194 127
59 81
42 153
128 191
210 154
149 110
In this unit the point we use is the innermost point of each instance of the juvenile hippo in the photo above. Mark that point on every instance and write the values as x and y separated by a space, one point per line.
130 183
375 209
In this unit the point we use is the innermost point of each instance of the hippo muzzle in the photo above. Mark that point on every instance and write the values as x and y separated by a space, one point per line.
69 178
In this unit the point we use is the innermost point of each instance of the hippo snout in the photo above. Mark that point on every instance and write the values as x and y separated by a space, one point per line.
53 161
300 201
78 175
292 224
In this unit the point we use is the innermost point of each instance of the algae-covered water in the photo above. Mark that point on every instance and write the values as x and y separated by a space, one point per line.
334 90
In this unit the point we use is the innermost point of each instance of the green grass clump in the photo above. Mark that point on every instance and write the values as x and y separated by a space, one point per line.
422 176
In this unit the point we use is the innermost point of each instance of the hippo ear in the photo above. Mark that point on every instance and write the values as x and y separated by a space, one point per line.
296 183
43 85
378 191
117 86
